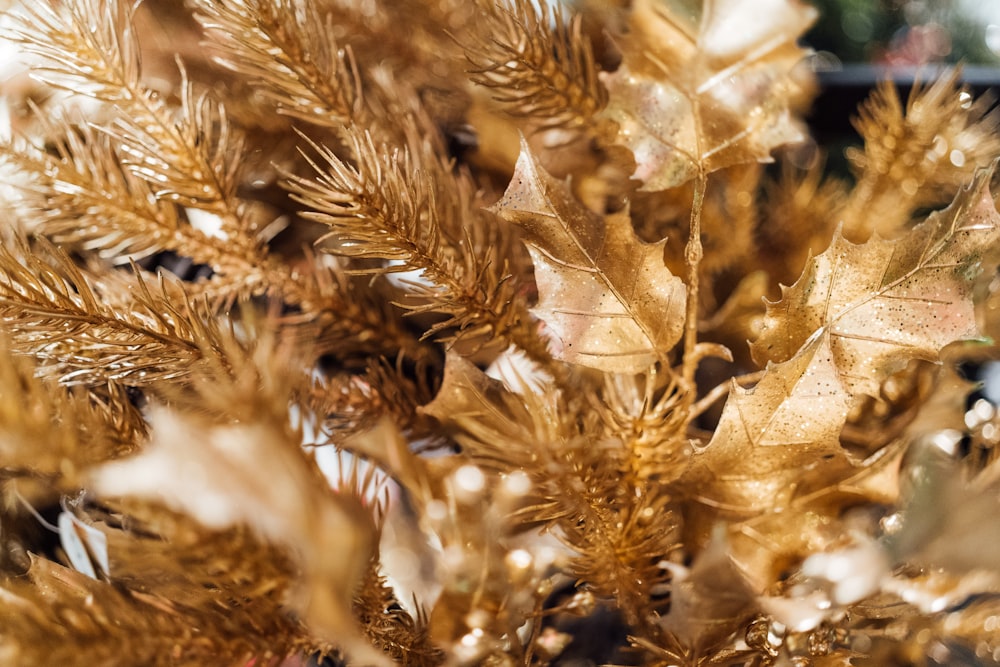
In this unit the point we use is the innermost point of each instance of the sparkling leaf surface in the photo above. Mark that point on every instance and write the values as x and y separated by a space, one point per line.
705 87
772 437
605 294
886 302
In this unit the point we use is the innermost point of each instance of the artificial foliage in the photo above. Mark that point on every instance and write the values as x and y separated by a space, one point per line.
453 332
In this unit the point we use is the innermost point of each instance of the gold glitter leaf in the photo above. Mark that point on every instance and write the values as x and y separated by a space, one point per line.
605 294
886 302
772 437
706 89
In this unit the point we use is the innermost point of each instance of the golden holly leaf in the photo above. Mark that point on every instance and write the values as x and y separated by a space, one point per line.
496 427
606 295
471 402
772 438
887 302
706 85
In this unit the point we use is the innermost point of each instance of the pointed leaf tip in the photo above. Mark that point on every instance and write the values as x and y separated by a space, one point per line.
886 302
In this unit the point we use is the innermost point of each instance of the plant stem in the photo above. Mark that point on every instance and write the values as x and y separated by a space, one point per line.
693 255
719 391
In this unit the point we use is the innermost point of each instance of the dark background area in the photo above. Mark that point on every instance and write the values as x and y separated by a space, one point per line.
861 42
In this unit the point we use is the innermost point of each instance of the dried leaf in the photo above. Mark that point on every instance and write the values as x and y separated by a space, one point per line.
706 85
887 302
605 294
496 427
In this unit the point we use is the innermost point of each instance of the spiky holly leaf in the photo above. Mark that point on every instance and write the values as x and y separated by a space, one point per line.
476 405
705 85
606 295
772 437
887 302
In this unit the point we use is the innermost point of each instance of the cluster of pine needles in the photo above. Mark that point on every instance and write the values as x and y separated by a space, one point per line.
415 332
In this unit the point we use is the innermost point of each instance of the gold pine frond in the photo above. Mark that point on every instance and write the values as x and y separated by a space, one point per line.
53 313
51 432
793 196
390 627
287 50
407 212
167 604
80 195
916 157
186 153
537 63
617 529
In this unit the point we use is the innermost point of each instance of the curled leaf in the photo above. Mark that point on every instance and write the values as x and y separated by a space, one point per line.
251 474
707 599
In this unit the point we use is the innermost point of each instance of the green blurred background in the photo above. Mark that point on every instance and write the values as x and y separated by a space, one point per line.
908 32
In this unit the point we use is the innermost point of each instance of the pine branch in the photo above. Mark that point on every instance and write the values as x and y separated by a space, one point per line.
645 413
52 432
166 605
391 628
80 194
192 161
187 154
287 50
52 312
793 196
916 157
537 63
350 404
619 529
404 208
